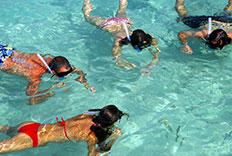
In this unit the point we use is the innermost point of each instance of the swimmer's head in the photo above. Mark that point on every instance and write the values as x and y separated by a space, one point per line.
108 115
60 66
140 40
218 39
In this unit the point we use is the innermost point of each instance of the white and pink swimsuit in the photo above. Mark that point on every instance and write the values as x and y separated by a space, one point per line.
115 20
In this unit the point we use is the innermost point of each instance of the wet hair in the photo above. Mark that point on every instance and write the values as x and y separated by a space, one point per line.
138 37
57 63
215 38
107 116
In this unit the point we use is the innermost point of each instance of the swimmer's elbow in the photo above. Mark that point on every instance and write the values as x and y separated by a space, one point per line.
181 34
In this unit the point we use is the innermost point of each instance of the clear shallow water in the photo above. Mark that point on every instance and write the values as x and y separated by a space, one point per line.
183 109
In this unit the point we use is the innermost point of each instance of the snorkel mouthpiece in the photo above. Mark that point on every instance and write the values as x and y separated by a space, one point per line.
138 50
41 58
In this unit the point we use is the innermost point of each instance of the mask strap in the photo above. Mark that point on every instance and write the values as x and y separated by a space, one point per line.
209 26
127 32
91 112
40 57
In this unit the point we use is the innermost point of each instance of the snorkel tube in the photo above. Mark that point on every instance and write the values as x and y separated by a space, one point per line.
209 29
209 26
128 36
40 57
126 30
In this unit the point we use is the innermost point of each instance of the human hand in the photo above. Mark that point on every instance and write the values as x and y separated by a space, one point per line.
92 89
186 49
145 71
52 93
117 132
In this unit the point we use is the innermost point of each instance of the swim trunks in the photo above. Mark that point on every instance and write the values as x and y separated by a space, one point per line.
31 130
197 21
114 21
5 52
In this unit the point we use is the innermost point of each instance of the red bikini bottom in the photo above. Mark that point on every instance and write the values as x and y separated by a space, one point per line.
31 130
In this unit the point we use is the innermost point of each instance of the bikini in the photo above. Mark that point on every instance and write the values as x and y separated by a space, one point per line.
32 131
197 21
114 21
5 52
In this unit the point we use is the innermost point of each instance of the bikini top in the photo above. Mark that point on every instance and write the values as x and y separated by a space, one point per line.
5 52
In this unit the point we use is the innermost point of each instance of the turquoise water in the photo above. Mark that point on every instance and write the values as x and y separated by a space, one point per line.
183 109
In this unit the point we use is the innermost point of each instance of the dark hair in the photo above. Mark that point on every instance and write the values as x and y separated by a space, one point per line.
215 38
138 37
57 63
107 116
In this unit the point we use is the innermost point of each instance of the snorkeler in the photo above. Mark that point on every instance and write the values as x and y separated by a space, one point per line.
120 28
215 39
33 66
96 127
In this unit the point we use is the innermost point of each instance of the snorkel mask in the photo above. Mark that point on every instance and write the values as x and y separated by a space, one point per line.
61 75
138 47
217 39
57 64
141 42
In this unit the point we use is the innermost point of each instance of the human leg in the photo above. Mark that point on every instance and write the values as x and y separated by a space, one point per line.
180 9
94 20
121 12
19 142
228 7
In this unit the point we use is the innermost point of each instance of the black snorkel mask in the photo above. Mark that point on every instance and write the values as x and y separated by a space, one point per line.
139 47
61 75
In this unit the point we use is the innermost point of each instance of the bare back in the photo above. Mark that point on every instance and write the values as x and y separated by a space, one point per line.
24 64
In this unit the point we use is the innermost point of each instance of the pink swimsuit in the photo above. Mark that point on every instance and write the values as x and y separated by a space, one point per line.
115 20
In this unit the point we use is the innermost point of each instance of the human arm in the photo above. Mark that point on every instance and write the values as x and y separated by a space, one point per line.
108 143
91 148
33 86
32 89
183 35
146 70
116 51
82 79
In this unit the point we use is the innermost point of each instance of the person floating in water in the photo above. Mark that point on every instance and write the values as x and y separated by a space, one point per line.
215 39
33 66
96 127
120 28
